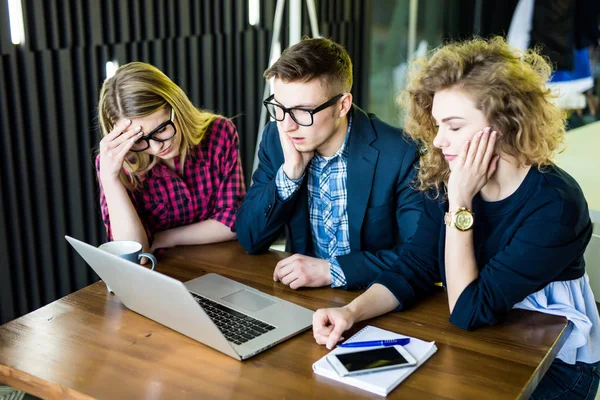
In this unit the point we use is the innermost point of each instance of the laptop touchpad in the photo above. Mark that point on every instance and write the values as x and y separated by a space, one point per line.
248 300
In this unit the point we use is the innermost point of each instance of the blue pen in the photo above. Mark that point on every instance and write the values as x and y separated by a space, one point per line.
371 343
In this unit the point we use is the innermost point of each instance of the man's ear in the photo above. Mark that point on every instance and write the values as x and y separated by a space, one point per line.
345 104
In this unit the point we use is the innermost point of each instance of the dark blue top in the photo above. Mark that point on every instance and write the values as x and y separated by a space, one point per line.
535 236
383 208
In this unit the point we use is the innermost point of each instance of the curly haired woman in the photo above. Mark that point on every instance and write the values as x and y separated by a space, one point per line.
503 226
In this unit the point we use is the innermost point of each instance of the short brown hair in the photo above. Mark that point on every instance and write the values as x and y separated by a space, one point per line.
508 86
310 59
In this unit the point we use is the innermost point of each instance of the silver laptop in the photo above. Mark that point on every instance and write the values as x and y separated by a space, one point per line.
228 316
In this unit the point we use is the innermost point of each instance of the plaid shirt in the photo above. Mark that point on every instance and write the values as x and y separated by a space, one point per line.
328 201
211 186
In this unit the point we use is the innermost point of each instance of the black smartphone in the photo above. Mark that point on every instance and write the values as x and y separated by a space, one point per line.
373 360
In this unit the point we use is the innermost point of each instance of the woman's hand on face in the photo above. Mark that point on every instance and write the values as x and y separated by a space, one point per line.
114 147
473 168
330 323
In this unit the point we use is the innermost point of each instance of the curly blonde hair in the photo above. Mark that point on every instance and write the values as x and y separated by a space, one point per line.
508 86
138 89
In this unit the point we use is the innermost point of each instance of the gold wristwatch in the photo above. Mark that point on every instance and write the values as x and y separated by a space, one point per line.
461 219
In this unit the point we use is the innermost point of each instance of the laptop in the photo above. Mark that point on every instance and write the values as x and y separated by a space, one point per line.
226 315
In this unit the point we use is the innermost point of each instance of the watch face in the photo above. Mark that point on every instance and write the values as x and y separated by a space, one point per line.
464 220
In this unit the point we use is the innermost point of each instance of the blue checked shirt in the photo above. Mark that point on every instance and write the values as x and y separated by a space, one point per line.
328 201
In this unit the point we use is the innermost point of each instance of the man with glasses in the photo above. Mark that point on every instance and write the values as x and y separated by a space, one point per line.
335 178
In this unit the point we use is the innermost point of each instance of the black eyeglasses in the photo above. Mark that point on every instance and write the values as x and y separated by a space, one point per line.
161 133
301 116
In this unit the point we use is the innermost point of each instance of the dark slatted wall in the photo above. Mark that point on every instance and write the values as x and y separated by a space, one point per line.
346 22
48 93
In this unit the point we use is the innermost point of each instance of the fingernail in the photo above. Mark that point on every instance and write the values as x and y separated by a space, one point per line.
479 134
494 133
328 347
139 128
488 129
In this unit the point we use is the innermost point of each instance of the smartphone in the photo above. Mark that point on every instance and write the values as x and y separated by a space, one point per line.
366 361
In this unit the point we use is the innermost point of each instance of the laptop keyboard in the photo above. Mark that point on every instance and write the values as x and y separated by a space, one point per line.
235 326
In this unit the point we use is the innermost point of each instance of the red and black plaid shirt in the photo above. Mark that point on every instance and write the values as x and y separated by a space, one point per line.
211 187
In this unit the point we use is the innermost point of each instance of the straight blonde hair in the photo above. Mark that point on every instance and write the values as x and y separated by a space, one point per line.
138 89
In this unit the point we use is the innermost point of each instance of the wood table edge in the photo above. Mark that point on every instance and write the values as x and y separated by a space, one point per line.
541 369
37 386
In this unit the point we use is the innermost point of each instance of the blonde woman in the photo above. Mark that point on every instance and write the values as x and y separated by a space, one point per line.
503 226
169 173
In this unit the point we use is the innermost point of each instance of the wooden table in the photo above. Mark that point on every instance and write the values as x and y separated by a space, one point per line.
88 344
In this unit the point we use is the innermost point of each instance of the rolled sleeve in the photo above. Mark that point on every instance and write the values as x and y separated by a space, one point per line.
231 190
338 279
286 186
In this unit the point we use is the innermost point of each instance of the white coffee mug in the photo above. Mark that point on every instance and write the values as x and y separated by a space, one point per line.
129 250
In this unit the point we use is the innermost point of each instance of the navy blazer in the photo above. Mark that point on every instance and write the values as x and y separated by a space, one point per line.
383 208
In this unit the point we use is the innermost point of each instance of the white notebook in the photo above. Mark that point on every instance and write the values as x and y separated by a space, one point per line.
381 383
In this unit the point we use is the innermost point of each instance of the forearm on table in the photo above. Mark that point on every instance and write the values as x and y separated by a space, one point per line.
377 300
125 223
203 232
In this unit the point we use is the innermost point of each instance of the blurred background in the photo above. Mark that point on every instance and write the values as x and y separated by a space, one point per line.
55 54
